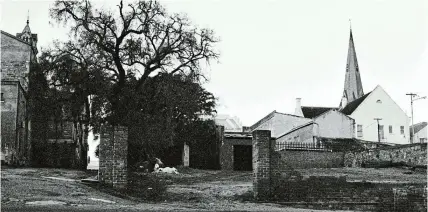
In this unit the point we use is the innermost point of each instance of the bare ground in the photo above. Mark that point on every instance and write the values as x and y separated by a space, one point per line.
199 190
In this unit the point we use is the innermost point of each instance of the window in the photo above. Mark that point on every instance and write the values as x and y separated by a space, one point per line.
2 97
423 140
379 101
381 134
360 130
390 129
402 130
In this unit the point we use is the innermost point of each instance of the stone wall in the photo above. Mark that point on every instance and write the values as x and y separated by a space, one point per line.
15 66
15 59
113 168
410 154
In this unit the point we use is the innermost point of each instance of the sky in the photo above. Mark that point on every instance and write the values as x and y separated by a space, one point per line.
275 51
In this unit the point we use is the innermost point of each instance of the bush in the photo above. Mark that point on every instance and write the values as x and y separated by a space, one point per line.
146 187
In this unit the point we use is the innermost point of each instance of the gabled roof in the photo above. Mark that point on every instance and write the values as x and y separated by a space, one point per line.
263 120
312 112
351 106
279 123
418 127
269 116
296 128
14 37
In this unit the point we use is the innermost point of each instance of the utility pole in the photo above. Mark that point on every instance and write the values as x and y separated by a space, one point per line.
378 127
411 107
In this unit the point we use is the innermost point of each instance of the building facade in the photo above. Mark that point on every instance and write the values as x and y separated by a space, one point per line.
421 132
17 54
378 106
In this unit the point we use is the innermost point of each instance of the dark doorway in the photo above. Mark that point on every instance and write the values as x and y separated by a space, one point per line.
242 158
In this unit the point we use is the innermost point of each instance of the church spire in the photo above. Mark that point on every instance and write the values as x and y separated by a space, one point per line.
353 88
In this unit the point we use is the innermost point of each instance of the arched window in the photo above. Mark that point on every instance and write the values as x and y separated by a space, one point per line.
379 101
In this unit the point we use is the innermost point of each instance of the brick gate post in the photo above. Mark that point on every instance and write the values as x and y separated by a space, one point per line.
113 156
262 164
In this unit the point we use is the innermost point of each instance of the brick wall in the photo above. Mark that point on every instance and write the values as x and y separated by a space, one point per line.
312 159
261 164
226 150
113 156
411 154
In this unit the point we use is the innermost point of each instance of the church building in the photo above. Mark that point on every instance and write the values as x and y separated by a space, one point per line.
372 116
17 53
377 116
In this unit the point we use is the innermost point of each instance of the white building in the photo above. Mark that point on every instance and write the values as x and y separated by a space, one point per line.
393 121
421 132
356 117
230 123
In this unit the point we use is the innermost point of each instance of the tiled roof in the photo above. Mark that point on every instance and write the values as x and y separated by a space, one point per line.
418 127
312 112
351 106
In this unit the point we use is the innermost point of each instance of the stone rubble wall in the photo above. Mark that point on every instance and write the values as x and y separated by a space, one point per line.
411 155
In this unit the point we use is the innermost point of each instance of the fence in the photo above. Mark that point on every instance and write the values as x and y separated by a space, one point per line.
302 146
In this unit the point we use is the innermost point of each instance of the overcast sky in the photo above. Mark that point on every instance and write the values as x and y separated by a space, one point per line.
275 51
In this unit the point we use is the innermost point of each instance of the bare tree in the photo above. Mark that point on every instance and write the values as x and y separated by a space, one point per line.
139 39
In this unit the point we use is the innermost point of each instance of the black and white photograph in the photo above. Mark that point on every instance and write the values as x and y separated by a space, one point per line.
214 105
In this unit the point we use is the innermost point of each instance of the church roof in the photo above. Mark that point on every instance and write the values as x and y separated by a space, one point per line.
418 127
353 88
312 112
351 106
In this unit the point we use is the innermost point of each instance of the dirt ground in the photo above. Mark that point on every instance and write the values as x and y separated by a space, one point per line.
194 190
199 190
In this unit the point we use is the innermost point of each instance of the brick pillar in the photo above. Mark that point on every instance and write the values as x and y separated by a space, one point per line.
113 156
185 155
261 164
220 142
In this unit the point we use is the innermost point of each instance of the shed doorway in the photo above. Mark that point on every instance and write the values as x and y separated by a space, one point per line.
242 157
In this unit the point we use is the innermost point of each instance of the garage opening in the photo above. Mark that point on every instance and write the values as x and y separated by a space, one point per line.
242 158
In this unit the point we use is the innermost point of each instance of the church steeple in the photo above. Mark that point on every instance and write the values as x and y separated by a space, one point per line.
27 36
353 88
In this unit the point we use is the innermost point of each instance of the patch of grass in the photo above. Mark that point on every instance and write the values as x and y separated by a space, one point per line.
146 187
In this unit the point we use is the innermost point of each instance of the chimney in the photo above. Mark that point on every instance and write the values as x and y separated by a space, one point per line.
298 110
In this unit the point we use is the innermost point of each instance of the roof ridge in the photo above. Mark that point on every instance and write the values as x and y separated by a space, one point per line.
320 106
262 120
290 114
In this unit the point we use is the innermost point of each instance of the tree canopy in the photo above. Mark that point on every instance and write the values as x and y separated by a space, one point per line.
134 65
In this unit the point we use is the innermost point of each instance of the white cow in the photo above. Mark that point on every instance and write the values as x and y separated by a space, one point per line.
168 170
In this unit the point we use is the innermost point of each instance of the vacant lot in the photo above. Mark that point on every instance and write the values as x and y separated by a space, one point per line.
192 189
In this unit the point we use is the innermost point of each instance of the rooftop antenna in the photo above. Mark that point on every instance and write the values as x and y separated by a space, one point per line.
28 16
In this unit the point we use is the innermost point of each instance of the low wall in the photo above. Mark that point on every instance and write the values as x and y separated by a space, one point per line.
312 159
410 154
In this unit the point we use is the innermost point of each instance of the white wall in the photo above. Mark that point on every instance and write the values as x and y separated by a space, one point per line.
421 134
282 123
303 135
388 111
334 124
